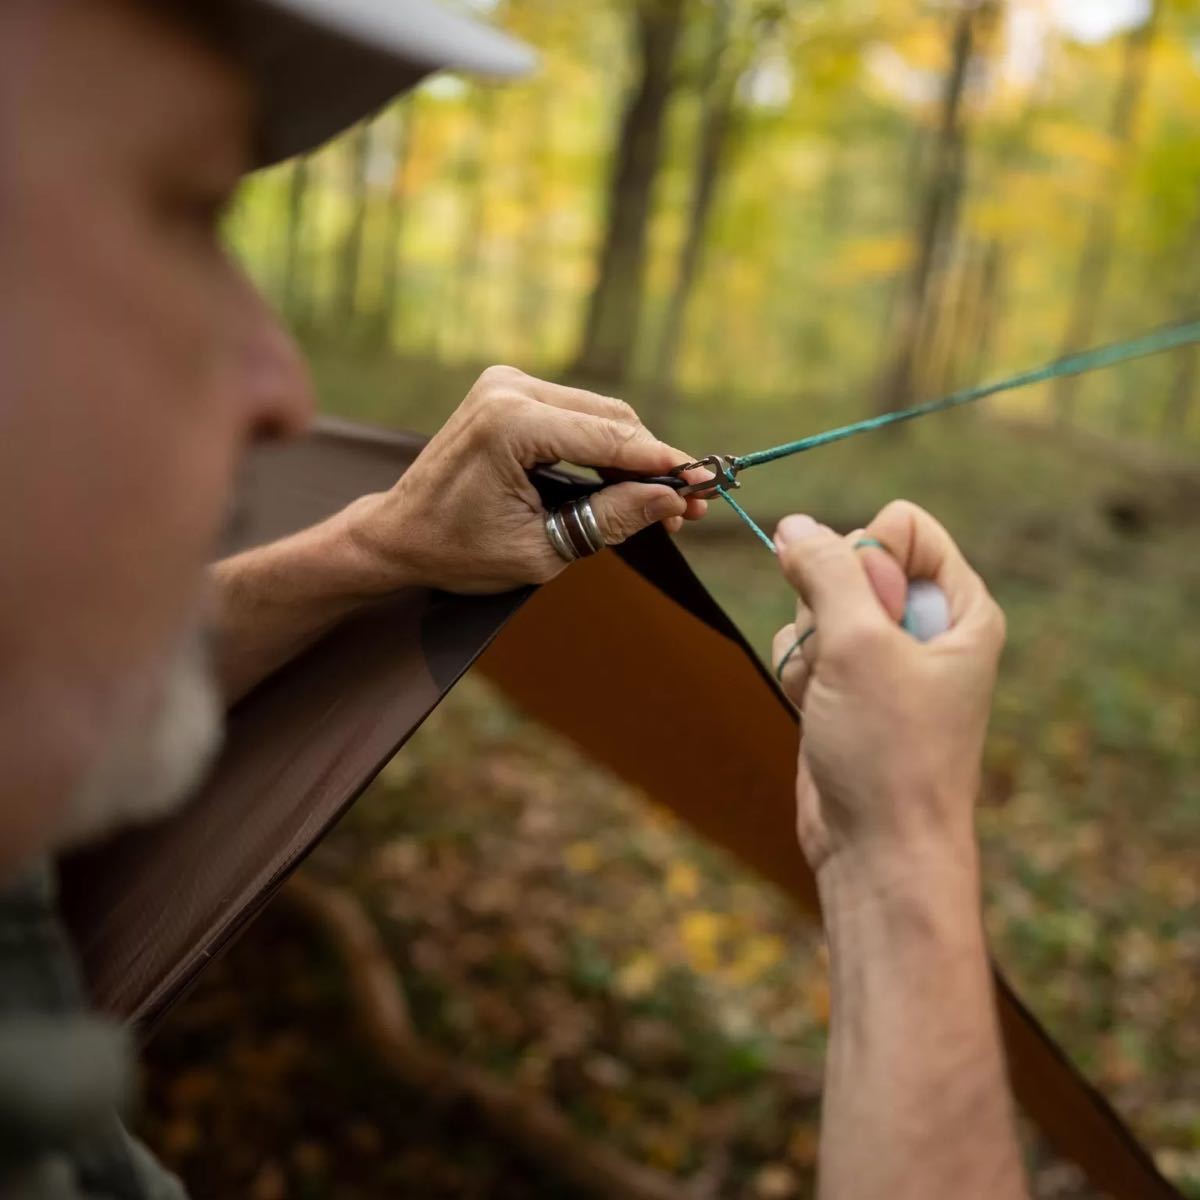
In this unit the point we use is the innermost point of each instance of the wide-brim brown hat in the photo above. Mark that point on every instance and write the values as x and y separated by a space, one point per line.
322 65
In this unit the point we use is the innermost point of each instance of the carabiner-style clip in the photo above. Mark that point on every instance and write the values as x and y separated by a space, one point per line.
723 467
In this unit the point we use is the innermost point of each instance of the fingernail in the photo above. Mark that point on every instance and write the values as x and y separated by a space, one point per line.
661 507
794 529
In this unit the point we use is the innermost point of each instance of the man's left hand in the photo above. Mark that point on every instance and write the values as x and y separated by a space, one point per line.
465 516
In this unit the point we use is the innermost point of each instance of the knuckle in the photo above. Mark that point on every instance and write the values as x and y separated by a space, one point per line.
503 407
623 411
495 384
897 519
619 527
623 434
619 522
615 437
899 510
500 373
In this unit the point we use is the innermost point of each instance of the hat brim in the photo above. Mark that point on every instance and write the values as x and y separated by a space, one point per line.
322 65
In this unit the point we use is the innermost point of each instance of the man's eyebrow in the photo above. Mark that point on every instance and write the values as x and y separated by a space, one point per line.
211 137
209 26
212 21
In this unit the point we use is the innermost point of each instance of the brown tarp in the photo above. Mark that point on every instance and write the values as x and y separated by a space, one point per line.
626 654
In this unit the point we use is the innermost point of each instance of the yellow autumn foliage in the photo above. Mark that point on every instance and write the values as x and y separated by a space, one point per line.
872 258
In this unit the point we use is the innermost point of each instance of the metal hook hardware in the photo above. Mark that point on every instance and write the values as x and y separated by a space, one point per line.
723 467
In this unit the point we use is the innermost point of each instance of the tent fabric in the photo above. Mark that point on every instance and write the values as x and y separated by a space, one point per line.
600 655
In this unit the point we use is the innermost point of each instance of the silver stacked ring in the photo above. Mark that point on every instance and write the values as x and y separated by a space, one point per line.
573 530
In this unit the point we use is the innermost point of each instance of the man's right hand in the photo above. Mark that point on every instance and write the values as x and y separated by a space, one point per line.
893 728
465 517
889 770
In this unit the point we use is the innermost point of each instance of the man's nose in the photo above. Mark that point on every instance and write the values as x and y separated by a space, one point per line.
277 384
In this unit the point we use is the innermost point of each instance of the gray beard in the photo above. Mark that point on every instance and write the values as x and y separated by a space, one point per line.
155 760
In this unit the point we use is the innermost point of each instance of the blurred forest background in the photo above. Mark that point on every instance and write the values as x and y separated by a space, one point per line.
752 218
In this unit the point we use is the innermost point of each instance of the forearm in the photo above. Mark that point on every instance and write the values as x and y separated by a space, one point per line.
274 601
916 1099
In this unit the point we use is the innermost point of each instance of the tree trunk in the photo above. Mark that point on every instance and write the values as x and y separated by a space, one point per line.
351 251
987 293
1096 257
615 309
393 227
292 300
457 324
1182 398
965 310
987 307
537 250
948 317
937 216
719 83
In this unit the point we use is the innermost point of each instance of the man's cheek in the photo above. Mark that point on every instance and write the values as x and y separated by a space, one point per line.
148 458
202 429
198 485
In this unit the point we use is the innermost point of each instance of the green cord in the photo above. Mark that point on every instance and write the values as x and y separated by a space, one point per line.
1168 338
745 516
783 662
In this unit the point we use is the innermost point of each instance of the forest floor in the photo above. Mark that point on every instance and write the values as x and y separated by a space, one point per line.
599 959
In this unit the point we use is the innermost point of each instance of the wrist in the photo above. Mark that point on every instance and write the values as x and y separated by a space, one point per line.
919 886
375 565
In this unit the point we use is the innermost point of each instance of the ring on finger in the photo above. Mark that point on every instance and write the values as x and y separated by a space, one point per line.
557 534
591 526
783 662
573 530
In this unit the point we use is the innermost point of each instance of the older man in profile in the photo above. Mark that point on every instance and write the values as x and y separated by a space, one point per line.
137 365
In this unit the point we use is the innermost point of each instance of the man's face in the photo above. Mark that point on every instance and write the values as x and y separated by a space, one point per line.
136 365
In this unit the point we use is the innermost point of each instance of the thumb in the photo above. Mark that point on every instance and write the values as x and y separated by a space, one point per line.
627 508
829 577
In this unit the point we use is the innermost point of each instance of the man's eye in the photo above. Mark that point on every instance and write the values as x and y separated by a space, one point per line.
195 210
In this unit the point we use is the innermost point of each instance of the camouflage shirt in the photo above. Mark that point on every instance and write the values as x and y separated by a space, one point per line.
65 1075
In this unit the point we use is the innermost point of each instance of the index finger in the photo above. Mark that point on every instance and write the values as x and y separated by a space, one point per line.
580 400
561 395
550 434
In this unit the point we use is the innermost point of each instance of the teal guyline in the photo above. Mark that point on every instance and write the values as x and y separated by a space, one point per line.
745 516
1169 338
